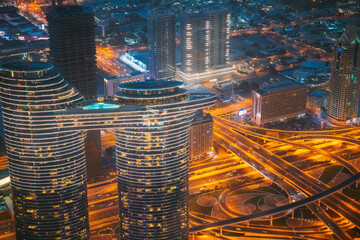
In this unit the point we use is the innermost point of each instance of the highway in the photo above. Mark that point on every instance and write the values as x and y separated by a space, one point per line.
342 161
310 232
280 171
273 211
304 182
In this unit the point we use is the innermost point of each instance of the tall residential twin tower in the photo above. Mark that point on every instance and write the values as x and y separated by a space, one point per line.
46 121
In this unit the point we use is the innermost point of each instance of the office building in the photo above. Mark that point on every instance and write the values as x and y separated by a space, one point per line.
72 51
72 46
204 45
344 80
45 123
112 83
278 100
162 44
201 134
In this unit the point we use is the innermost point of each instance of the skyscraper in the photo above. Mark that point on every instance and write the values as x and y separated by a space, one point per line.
195 42
153 161
47 166
219 37
72 46
204 44
45 123
344 81
72 51
162 44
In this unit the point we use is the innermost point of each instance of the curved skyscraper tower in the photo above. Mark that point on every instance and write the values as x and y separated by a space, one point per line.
47 167
45 124
152 161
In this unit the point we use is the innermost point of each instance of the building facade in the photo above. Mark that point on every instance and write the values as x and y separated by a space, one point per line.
112 83
204 44
47 167
46 121
72 51
201 134
162 45
195 42
72 46
344 80
317 100
219 37
278 100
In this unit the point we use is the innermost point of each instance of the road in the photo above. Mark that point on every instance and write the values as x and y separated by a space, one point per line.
298 178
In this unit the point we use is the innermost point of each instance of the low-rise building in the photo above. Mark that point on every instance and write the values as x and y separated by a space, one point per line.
317 100
276 100
112 83
312 68
201 134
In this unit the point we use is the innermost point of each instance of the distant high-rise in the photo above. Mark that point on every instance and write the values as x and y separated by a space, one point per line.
72 46
162 44
72 51
195 39
204 44
219 37
345 78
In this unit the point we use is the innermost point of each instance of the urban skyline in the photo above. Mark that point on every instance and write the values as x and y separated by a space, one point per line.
180 120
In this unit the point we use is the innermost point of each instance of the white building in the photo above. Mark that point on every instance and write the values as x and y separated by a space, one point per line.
112 83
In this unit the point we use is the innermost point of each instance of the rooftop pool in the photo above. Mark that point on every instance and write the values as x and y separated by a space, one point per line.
101 106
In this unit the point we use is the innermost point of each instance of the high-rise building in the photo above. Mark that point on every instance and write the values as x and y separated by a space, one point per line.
204 44
47 165
219 37
72 51
278 100
45 123
201 134
345 78
72 46
152 161
162 44
195 41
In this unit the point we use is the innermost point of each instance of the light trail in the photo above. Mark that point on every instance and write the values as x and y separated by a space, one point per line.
270 212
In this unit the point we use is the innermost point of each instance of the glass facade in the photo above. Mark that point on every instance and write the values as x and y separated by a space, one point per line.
47 167
344 82
46 122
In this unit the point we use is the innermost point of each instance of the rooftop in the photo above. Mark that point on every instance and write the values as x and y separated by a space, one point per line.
200 117
273 86
314 64
150 85
68 10
318 94
163 13
27 66
101 106
350 36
